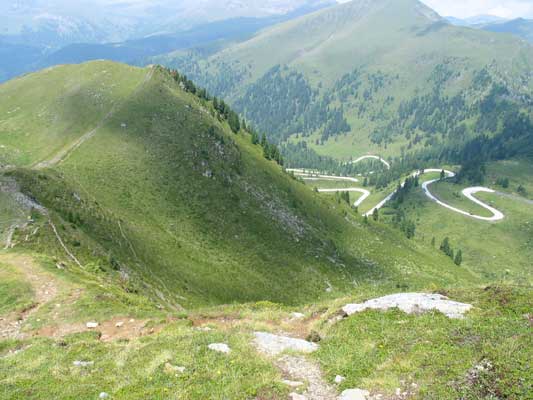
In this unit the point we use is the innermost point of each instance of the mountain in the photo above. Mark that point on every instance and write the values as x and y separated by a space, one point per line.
370 76
58 23
210 36
476 20
520 27
147 179
42 39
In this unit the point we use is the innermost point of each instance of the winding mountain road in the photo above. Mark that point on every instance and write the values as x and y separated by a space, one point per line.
371 157
469 194
311 175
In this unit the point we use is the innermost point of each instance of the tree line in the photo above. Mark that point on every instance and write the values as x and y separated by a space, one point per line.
225 113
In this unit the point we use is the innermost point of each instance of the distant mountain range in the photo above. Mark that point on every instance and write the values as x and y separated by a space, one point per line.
36 37
57 23
520 27
476 20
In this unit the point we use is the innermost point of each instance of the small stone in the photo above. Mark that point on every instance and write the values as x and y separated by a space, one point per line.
103 395
172 369
293 384
220 347
119 324
92 325
354 394
314 337
339 379
204 329
297 315
83 363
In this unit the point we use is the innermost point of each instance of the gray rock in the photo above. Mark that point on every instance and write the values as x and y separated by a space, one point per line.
220 347
354 394
412 303
103 395
339 379
274 344
91 325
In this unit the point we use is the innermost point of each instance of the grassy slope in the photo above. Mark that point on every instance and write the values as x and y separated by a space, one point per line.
43 112
431 356
376 351
249 232
15 293
177 226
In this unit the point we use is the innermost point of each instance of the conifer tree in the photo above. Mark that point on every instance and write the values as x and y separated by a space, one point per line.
458 258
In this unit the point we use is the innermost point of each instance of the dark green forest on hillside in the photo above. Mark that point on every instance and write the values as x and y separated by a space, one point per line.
283 103
438 126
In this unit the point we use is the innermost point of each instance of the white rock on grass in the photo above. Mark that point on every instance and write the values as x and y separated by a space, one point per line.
83 363
274 344
412 303
354 394
339 379
92 325
103 395
220 347
297 315
172 369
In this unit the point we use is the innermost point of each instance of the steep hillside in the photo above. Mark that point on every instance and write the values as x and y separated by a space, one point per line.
373 76
149 179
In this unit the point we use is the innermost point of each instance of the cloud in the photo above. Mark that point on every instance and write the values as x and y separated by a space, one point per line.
469 8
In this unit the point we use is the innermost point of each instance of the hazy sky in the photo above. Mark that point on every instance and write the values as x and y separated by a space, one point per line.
468 8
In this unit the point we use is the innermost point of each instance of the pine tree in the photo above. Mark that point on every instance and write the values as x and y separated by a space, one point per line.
442 175
458 258
255 137
445 246
234 122
375 214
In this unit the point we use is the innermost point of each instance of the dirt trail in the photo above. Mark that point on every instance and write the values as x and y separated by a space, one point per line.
110 330
45 289
299 368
